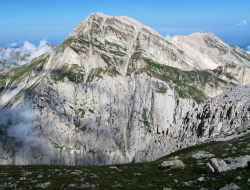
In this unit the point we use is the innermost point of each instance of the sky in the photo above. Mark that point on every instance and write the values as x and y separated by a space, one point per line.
53 20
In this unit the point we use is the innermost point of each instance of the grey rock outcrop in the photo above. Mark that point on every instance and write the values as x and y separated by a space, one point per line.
210 168
173 164
230 187
202 154
220 118
239 162
43 185
220 165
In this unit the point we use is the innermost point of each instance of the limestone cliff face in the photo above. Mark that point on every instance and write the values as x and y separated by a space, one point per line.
226 115
114 91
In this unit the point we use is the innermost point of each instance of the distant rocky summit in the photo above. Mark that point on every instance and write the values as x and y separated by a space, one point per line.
14 57
116 91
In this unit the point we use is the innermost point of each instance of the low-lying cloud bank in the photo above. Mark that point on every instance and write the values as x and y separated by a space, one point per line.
19 125
24 53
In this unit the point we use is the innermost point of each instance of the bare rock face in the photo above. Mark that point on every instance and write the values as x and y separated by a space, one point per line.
210 50
115 91
222 117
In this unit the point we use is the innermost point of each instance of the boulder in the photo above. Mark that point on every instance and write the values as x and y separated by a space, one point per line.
202 154
201 179
230 186
43 185
240 162
210 168
174 164
220 165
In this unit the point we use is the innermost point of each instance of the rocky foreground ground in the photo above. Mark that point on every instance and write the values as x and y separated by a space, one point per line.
148 175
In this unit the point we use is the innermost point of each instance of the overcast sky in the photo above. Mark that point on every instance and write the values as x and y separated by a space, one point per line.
34 20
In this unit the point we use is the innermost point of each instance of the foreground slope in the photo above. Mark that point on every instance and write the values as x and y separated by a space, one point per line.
137 175
114 91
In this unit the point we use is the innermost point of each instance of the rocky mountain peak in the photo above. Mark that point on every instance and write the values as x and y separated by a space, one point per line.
114 91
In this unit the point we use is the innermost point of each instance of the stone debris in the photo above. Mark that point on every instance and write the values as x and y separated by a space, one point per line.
210 168
201 179
219 165
175 180
173 164
86 185
27 173
137 174
222 166
22 178
240 162
230 186
188 183
79 171
40 176
93 175
74 173
202 154
238 177
248 181
165 188
71 185
43 185
113 167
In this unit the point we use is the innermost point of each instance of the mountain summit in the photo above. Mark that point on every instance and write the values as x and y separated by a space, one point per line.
114 91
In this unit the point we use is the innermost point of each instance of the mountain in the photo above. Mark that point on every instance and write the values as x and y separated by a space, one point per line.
114 91
14 57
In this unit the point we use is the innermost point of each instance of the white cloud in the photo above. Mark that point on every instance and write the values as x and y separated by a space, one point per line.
26 49
168 36
43 48
248 49
242 23
13 45
19 126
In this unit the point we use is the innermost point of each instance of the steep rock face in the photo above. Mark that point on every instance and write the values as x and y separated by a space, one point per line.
99 123
112 92
227 114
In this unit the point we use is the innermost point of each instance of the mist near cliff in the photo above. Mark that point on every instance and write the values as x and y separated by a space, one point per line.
19 124
29 50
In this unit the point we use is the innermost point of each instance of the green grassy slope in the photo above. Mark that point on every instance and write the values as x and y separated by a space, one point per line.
138 175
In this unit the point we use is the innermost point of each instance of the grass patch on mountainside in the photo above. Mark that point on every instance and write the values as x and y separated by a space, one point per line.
17 74
188 84
182 81
73 73
136 175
